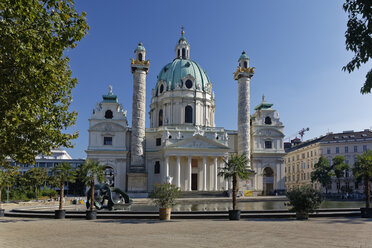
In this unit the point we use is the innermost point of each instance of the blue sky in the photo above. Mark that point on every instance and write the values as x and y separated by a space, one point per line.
297 47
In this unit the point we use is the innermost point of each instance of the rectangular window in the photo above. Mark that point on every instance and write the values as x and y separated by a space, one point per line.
268 144
311 153
42 164
346 149
107 141
289 169
355 148
303 155
158 142
364 148
307 155
328 150
337 150
157 167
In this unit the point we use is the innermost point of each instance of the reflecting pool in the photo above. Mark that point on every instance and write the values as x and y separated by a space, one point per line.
245 206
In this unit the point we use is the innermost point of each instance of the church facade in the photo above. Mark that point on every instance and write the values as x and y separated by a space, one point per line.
183 145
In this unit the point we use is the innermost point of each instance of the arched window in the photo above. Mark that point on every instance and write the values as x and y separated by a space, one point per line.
161 88
188 84
268 172
108 114
140 56
188 114
183 53
245 64
268 120
178 53
160 117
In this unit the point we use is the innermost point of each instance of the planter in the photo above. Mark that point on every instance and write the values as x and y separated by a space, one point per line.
164 213
2 212
59 214
91 215
366 212
234 214
302 215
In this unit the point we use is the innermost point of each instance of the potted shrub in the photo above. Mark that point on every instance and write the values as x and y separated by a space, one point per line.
89 172
7 176
164 196
363 170
304 200
236 168
61 174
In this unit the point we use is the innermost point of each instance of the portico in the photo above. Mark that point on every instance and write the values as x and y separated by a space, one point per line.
198 171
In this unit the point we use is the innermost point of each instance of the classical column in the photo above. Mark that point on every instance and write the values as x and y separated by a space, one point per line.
189 171
178 182
204 173
243 74
166 169
139 69
215 174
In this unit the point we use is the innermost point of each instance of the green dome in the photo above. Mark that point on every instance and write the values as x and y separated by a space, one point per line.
244 56
140 47
172 73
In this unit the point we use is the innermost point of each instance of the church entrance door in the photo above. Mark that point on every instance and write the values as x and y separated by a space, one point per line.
194 181
268 181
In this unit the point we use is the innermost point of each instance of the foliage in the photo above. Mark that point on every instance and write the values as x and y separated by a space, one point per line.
236 168
339 167
363 169
164 195
359 37
36 81
304 199
51 193
322 172
90 171
61 174
7 175
36 177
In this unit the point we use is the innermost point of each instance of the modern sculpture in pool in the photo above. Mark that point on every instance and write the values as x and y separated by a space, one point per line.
116 199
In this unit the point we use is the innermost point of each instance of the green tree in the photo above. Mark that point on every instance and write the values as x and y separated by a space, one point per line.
363 169
90 171
322 173
339 168
36 81
359 37
36 177
236 168
7 176
61 174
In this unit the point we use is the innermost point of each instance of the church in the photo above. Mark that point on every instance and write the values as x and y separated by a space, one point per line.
183 145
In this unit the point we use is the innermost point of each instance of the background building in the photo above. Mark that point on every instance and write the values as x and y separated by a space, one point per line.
56 157
300 159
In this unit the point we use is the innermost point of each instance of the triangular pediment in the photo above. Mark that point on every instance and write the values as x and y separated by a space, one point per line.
197 142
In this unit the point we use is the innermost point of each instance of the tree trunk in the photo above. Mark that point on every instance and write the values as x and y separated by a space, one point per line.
91 195
235 191
62 188
339 184
367 190
1 188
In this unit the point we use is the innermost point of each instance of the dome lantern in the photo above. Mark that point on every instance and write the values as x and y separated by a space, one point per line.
182 48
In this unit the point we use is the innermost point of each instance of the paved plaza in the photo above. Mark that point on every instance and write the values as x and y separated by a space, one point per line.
316 232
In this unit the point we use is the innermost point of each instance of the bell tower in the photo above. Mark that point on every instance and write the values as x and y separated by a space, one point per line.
137 177
244 74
